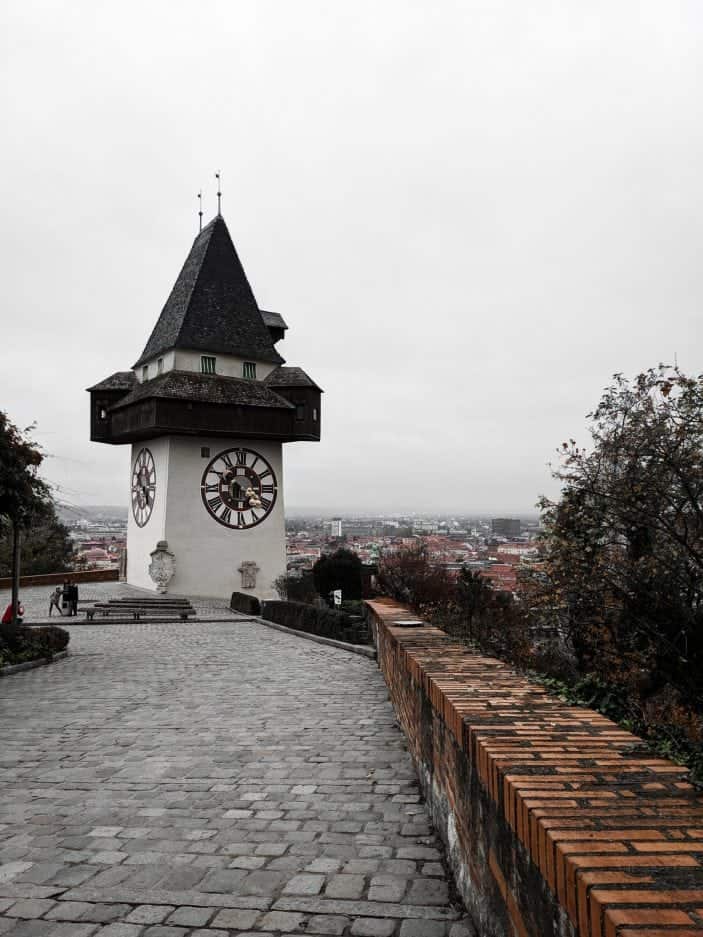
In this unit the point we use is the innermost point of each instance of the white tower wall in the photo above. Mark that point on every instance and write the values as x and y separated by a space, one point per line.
207 554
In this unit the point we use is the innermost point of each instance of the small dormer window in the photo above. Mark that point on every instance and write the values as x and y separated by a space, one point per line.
160 366
207 364
314 414
102 412
249 370
145 372
300 411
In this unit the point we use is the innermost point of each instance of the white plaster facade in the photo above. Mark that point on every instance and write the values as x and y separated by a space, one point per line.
208 554
185 360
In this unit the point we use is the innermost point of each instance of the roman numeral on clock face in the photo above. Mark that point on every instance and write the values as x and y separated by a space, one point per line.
215 503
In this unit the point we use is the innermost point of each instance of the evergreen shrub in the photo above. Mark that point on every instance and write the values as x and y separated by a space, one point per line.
314 620
244 603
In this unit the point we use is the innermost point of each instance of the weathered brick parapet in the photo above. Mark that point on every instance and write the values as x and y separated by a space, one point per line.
556 821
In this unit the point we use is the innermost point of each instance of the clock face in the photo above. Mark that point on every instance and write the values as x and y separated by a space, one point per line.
239 488
143 487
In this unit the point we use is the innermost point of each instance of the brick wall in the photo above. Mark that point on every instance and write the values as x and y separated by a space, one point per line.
556 821
48 579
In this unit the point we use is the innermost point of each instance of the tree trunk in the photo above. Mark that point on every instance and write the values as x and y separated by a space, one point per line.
15 571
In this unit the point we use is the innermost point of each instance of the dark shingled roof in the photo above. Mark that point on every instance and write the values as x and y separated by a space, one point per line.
205 388
290 377
273 320
120 380
212 307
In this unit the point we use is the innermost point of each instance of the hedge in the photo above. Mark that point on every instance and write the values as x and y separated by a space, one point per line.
247 604
314 620
19 643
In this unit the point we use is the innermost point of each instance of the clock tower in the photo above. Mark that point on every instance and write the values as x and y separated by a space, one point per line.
206 408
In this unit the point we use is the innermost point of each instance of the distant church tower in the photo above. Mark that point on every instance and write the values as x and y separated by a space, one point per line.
207 407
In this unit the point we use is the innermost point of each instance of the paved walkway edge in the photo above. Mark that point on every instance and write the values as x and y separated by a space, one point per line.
318 639
31 664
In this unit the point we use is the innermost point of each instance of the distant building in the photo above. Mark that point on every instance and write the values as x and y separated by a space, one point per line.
506 526
335 527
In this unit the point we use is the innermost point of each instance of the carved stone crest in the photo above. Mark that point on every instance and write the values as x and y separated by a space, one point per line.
162 566
248 571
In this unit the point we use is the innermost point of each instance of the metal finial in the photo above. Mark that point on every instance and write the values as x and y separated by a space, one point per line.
200 211
219 194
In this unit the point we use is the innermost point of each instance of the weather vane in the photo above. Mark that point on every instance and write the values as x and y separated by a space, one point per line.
219 194
200 211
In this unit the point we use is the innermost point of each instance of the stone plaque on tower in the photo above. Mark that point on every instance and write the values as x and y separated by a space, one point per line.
206 408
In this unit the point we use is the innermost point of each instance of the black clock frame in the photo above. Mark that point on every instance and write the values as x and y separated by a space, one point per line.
216 492
144 458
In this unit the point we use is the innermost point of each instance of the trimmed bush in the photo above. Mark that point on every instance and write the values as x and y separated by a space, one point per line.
314 620
53 638
20 644
246 604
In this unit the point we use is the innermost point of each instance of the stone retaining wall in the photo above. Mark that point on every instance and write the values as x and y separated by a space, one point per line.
556 821
49 579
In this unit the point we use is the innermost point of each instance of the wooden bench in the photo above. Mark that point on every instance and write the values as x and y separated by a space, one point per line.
137 611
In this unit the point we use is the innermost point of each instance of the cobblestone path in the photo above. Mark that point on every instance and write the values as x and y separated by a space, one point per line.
211 779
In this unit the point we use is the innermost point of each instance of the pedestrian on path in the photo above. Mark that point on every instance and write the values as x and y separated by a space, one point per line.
55 601
73 598
7 617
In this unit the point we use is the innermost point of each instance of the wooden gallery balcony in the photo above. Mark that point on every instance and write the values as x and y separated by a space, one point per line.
285 407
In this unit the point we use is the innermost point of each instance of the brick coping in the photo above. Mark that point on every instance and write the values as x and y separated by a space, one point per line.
616 832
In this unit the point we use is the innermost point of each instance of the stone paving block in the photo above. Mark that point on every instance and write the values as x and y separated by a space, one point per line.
234 919
387 888
191 917
149 914
105 913
10 870
72 929
224 881
32 907
304 885
263 883
30 928
248 862
281 920
373 927
121 930
68 911
423 929
330 924
345 886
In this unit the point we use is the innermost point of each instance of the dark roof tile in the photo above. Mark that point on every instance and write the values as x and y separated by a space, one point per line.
273 320
290 377
205 388
120 380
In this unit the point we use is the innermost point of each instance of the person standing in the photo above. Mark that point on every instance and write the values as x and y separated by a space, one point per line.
74 598
55 601
66 596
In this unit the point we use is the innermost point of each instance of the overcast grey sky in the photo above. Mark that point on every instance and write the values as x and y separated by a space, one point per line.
469 213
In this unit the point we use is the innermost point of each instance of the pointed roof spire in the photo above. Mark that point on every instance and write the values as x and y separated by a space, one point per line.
212 307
